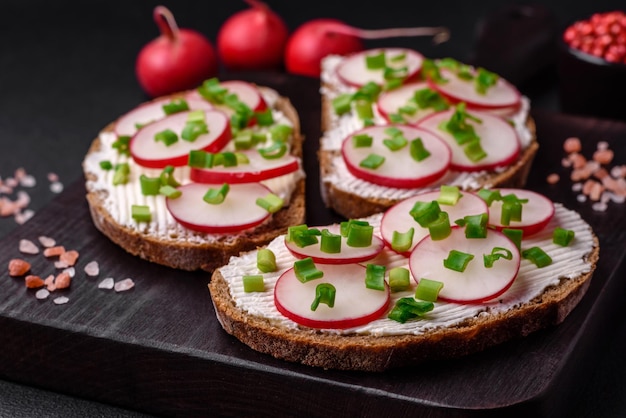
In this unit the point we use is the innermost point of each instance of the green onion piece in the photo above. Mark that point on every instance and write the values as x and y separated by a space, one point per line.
265 117
428 98
106 165
449 195
258 137
241 158
396 118
271 202
149 185
399 279
398 73
407 110
428 289
342 103
363 109
360 235
474 151
402 241
393 131
141 213
167 176
280 132
121 172
476 225
376 61
193 129
396 143
253 283
372 161
369 91
511 211
175 106
485 79
170 192
425 212
459 127
303 237
213 91
440 228
398 58
293 230
196 116
368 122
305 270
330 243
409 308
537 256
239 120
274 151
362 140
562 236
324 293
496 254
346 225
167 136
243 140
121 144
418 151
266 260
431 71
216 196
375 276
514 235
489 196
457 260
201 159
226 159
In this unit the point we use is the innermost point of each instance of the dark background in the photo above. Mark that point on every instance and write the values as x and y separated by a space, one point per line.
67 70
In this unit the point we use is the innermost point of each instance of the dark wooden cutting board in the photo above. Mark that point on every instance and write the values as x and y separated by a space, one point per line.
159 348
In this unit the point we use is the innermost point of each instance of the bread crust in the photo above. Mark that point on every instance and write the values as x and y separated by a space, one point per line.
378 353
199 255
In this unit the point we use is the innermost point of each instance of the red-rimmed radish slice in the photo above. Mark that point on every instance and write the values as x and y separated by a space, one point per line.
237 212
347 255
246 92
153 111
353 69
155 154
497 137
503 95
389 102
536 213
354 305
398 217
476 283
399 168
258 169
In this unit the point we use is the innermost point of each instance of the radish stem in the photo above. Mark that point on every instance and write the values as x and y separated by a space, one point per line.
166 22
440 34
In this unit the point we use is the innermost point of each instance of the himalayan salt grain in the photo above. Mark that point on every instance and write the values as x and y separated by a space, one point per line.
42 294
18 267
578 160
107 283
124 285
600 173
602 145
8 208
26 246
61 264
618 171
62 281
572 144
11 182
596 191
553 178
61 300
47 241
576 187
49 279
28 181
23 199
581 198
52 177
566 162
6 189
54 251
587 186
23 217
69 257
603 156
33 282
617 198
92 269
71 271
56 187
599 206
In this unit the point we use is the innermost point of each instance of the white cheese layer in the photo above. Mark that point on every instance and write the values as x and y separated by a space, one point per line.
568 262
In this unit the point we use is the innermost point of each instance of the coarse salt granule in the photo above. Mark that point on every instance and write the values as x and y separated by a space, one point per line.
26 246
42 294
107 283
92 268
124 285
61 300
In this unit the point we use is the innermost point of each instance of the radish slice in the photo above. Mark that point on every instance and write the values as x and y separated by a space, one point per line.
354 304
477 283
347 255
399 169
389 102
153 111
353 69
150 153
502 95
535 214
398 218
258 169
237 212
248 93
497 137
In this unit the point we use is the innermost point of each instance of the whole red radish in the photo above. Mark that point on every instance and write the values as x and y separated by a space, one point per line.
252 39
178 59
317 38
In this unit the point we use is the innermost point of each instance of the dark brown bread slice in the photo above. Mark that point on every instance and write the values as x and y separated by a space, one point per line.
378 353
186 255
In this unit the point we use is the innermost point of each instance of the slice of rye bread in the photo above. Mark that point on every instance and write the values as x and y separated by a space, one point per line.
352 205
199 254
378 353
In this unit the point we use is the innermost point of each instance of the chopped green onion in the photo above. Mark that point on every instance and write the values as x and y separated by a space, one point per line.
274 151
376 61
175 106
193 129
362 140
369 91
409 308
372 161
200 159
396 118
106 165
330 243
271 202
342 103
407 110
449 195
241 158
398 58
537 256
431 71
302 235
425 212
170 192
213 91
459 127
280 132
121 173
399 279
266 260
363 109
457 260
167 136
496 254
396 143
514 235
428 289
226 159
324 293
305 270
149 185
393 131
428 98
121 144
562 236
167 176
243 140
475 225
485 79
360 235
346 225
489 196
141 213
264 118
474 151
196 116
511 209
375 276
418 151
402 241
216 196
440 228
253 283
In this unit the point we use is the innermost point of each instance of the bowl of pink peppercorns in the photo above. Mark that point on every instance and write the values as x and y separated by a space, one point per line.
592 66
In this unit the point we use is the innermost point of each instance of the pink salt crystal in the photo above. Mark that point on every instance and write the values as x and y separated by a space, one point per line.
599 206
59 264
22 217
62 281
28 181
92 269
566 162
46 241
553 178
69 257
596 191
603 156
578 161
572 144
54 251
8 207
61 300
52 177
71 271
42 294
23 199
576 187
107 283
19 173
6 189
26 246
56 187
124 285
618 171
11 182
602 145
